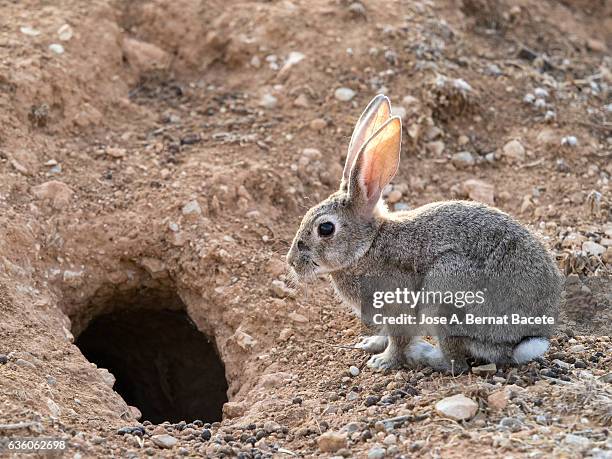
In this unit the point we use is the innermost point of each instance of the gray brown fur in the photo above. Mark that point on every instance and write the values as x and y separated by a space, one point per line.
431 242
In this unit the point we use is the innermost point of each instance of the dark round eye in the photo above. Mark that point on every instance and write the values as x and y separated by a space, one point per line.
326 229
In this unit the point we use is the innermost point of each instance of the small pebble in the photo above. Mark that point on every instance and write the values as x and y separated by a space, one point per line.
268 101
344 94
56 48
570 141
353 370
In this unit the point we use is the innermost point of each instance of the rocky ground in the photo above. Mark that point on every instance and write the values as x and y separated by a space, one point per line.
170 148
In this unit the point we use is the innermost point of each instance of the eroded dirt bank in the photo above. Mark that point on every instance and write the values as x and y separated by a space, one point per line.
159 155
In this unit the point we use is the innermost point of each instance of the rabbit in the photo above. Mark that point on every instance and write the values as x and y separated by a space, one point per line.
352 236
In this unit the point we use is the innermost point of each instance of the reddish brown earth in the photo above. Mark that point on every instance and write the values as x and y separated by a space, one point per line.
154 106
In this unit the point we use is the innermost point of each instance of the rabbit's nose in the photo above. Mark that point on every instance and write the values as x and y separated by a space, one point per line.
302 247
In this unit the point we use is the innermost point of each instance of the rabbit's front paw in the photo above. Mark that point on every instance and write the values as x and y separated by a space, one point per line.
373 344
385 361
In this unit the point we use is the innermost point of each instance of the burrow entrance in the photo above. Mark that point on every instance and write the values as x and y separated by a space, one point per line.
162 363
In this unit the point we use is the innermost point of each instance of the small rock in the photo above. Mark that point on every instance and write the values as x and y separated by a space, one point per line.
514 151
570 141
390 440
580 364
577 348
296 317
57 192
272 426
436 147
512 424
301 101
164 440
357 9
540 92
3 359
479 191
29 31
593 248
156 268
268 101
488 369
234 409
192 208
458 407
344 94
353 370
206 435
493 70
244 340
372 400
56 48
108 378
394 196
576 441
54 408
25 364
376 452
498 400
318 124
65 32
529 98
463 159
330 442
73 279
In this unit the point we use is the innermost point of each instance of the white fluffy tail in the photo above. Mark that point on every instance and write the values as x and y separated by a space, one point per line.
529 349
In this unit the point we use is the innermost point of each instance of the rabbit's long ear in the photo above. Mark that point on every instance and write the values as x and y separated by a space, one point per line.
375 165
373 117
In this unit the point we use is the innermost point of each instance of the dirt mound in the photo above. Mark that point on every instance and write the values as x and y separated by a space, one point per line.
156 158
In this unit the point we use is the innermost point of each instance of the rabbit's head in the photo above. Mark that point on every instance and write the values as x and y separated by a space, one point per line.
335 233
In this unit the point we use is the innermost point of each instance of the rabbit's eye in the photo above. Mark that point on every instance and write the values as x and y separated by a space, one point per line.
326 229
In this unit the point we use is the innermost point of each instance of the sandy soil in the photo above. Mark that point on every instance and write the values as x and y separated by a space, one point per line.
154 149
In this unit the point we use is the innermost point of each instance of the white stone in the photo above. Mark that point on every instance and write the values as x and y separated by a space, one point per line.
353 370
268 101
514 151
65 32
56 48
593 248
463 159
540 92
344 94
29 31
192 208
164 440
576 441
570 141
458 407
390 440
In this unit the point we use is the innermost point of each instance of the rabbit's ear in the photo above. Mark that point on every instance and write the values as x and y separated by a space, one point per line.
373 117
375 165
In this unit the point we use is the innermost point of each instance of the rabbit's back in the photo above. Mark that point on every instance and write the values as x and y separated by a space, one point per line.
491 240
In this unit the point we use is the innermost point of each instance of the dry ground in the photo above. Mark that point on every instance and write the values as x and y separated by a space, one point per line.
177 132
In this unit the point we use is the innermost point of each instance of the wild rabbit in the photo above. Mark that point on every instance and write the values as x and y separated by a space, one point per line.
352 236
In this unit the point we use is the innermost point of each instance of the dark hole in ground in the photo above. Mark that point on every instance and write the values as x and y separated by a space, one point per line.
164 366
